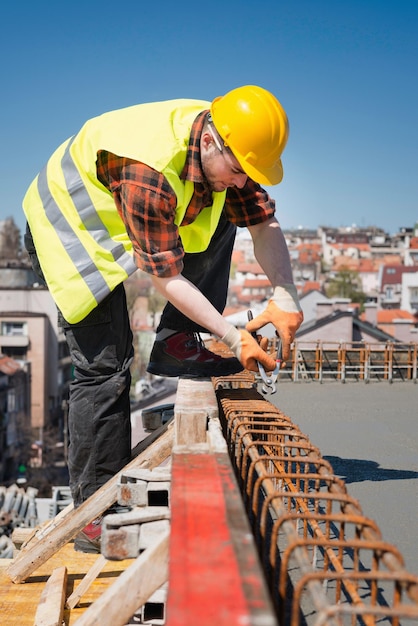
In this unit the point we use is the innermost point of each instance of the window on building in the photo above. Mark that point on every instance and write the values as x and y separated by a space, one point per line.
13 329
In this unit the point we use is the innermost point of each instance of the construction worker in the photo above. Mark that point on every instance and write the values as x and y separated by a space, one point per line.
161 187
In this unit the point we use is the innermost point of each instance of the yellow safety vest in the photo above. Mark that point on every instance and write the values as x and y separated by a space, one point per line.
81 241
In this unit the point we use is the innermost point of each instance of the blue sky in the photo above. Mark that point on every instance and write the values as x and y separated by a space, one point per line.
345 71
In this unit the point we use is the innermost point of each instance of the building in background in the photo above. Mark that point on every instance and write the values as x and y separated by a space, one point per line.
33 397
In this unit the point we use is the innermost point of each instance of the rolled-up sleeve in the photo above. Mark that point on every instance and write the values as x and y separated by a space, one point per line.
148 215
147 205
249 206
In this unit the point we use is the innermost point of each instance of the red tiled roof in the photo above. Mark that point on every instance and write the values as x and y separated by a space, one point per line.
346 246
250 268
317 247
344 262
361 265
387 316
309 256
251 283
238 256
392 259
311 285
368 265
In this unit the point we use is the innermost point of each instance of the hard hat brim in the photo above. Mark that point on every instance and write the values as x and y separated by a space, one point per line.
270 176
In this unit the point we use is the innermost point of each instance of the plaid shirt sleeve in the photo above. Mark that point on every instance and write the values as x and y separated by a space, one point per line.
248 206
147 205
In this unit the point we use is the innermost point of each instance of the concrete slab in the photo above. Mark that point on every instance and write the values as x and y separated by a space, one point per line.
369 433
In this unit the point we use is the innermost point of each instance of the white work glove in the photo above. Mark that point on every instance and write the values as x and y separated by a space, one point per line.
248 351
284 312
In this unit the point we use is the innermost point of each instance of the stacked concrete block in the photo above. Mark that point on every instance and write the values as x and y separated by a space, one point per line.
126 535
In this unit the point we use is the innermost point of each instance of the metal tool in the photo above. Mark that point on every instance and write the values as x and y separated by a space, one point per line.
269 382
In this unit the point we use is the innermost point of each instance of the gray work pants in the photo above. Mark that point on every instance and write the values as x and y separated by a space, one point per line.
99 419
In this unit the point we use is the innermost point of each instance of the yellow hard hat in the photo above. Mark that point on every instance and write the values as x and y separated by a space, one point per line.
253 124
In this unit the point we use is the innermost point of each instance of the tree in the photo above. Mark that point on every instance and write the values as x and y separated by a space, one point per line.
346 284
9 240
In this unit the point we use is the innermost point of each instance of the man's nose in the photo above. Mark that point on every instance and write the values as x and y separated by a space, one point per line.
240 180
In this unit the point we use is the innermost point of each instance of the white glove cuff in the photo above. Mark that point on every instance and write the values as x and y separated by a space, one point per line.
232 338
286 298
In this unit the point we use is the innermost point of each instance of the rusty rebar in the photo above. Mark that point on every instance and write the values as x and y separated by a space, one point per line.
300 510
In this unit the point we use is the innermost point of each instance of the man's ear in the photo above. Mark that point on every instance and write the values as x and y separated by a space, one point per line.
206 140
207 145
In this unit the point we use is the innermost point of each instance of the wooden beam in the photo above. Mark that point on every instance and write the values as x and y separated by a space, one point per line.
194 394
29 560
191 427
42 531
50 611
195 405
86 582
21 536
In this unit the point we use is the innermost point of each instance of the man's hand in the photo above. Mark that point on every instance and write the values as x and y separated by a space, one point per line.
284 312
248 351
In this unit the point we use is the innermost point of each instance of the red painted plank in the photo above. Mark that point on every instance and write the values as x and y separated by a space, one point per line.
205 584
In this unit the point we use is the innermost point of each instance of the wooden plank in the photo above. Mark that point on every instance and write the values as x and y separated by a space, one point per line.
18 603
195 404
214 573
29 560
21 601
190 427
46 527
195 394
21 536
50 611
131 589
85 584
42 531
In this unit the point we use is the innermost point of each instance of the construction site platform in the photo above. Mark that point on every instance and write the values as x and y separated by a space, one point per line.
19 603
253 526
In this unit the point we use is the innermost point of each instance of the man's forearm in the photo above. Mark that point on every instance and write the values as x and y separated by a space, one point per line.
191 302
271 251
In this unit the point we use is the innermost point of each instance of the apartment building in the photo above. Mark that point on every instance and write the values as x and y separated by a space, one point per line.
398 287
14 414
30 333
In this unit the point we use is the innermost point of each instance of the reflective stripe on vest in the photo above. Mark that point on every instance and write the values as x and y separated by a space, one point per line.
92 223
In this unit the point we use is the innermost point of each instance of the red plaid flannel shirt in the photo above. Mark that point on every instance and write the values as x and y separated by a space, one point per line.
147 204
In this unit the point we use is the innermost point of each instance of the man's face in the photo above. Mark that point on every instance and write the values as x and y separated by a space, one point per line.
220 167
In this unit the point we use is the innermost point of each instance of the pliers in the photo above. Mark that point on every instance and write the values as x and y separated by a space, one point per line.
269 382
